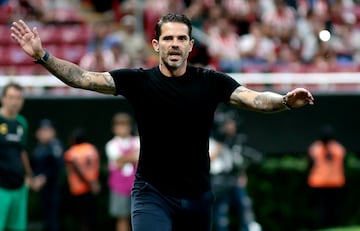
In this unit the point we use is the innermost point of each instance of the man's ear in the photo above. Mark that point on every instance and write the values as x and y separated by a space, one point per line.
155 44
192 42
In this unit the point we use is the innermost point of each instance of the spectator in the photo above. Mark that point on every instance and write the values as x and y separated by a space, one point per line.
307 33
15 170
223 46
82 167
116 56
96 60
345 40
229 161
100 35
122 152
103 59
256 48
327 176
47 160
136 47
153 9
242 13
281 21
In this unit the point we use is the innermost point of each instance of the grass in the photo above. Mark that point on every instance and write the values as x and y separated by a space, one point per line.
353 228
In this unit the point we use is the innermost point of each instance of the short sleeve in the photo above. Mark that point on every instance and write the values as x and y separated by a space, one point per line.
112 151
225 85
126 80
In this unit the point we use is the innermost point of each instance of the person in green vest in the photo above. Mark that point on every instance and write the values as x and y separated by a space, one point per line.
15 170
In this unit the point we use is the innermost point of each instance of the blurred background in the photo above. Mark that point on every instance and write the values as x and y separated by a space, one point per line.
271 45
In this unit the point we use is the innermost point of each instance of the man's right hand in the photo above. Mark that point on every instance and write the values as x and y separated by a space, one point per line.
28 39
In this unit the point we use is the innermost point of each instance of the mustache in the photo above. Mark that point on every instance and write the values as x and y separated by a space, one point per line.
175 52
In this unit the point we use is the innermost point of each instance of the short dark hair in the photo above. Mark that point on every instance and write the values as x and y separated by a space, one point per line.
77 136
172 17
10 85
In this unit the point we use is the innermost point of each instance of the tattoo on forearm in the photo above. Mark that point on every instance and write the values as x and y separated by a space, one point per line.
65 71
268 101
74 76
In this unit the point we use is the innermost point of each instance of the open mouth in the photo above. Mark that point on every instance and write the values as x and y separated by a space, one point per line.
174 55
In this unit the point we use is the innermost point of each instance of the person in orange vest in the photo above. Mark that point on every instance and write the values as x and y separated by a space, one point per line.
327 175
82 161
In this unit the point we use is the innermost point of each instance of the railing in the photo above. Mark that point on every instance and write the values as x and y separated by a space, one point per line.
318 83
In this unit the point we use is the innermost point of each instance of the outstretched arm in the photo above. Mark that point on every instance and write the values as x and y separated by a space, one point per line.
70 73
245 98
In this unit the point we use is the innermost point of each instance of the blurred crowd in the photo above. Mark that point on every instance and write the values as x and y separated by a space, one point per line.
231 35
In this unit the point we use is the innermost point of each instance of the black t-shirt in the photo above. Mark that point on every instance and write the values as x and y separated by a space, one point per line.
174 117
13 138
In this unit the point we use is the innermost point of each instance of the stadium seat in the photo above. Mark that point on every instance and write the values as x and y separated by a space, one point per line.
5 38
18 57
255 68
50 34
26 69
73 53
78 33
5 59
5 12
67 15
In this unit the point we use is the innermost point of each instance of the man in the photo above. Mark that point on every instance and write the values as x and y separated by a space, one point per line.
82 163
47 166
174 106
14 163
326 179
229 161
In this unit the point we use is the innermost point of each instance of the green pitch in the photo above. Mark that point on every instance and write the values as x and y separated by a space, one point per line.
354 228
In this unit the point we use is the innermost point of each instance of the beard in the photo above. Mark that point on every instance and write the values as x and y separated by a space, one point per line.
174 63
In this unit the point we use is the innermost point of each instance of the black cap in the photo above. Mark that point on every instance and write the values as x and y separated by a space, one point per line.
46 123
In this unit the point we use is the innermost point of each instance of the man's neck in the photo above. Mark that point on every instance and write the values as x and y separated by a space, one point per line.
172 72
7 114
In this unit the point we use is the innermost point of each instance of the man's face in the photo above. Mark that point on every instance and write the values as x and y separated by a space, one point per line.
13 100
174 45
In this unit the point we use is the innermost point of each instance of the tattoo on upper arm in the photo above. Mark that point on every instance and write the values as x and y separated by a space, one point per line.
100 82
240 90
238 99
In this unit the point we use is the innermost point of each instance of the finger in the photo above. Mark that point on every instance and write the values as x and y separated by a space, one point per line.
312 97
35 32
15 33
15 28
24 27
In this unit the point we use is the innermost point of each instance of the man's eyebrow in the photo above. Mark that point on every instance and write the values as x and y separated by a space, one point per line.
178 36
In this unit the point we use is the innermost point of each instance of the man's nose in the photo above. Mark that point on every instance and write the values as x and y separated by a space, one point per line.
175 43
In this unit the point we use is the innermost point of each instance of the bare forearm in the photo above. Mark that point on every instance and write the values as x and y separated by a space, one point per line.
269 102
257 101
26 163
133 158
70 73
74 76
